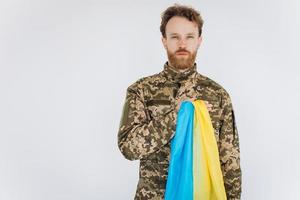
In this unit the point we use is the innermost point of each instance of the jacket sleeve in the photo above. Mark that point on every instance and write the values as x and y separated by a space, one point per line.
230 151
138 135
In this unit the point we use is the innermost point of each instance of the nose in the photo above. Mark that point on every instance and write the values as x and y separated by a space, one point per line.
182 43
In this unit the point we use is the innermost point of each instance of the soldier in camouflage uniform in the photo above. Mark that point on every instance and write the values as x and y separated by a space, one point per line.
149 115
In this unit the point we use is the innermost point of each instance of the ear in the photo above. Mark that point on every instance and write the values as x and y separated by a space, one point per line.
164 41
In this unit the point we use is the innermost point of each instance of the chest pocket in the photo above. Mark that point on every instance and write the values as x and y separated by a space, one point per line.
158 107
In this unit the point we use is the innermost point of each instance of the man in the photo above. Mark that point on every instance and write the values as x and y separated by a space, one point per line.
149 116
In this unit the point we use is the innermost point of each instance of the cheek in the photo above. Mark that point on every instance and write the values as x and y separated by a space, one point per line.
192 46
172 46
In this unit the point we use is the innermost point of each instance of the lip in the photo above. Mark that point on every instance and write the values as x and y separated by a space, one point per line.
182 53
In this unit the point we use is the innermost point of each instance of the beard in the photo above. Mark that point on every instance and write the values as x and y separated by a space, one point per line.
182 62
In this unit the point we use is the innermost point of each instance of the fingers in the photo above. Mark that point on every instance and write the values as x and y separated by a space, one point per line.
179 101
208 105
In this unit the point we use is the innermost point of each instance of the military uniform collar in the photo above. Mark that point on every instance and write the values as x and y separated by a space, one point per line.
173 74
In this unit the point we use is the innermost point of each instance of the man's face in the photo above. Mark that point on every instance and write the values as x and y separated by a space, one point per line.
182 42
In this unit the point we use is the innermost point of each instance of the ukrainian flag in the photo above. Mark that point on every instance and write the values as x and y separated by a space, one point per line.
194 169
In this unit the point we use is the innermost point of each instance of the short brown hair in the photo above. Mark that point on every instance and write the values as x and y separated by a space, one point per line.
182 11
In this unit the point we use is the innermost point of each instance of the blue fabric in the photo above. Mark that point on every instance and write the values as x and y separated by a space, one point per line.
181 161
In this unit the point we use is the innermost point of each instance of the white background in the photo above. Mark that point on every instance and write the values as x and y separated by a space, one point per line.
65 66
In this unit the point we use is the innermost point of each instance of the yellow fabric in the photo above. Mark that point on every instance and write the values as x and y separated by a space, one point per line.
208 178
197 158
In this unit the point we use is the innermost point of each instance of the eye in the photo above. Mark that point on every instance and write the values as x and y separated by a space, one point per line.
174 37
190 37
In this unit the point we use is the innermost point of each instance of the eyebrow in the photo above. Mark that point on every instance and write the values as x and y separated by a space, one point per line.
178 34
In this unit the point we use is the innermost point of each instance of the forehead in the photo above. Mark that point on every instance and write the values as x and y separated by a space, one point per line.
181 25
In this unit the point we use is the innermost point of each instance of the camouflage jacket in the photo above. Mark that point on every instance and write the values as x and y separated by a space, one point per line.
148 123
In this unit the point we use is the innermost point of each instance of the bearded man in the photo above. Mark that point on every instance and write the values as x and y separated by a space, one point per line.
148 121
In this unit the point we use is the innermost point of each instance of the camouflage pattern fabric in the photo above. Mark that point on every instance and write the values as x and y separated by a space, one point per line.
148 123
